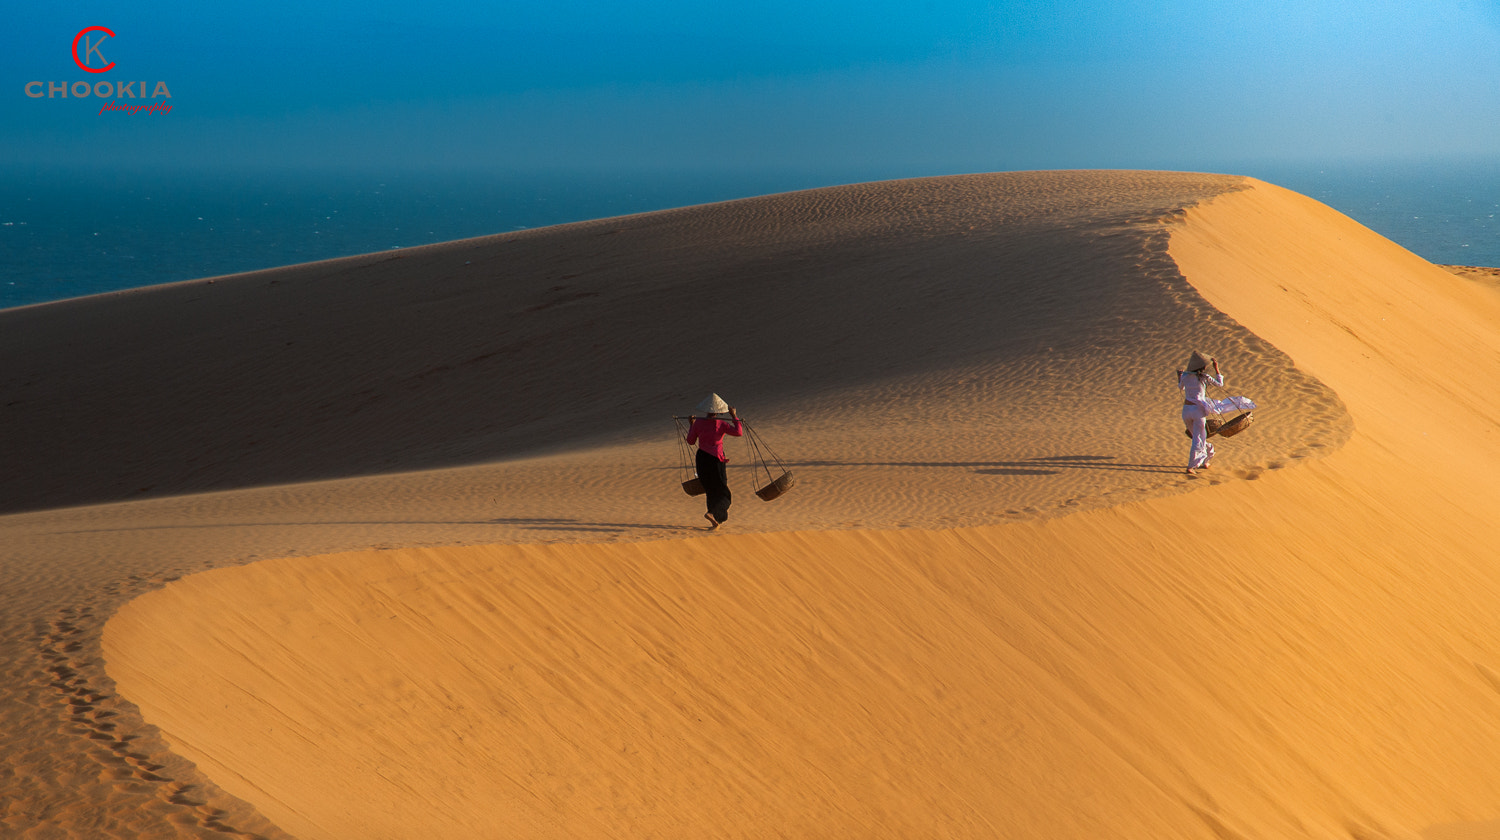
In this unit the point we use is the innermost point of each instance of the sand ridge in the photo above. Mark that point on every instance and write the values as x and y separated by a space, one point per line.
1035 675
1051 678
166 396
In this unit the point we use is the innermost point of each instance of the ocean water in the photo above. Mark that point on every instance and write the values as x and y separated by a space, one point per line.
67 234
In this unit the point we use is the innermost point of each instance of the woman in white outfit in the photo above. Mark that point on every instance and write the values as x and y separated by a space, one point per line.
1197 407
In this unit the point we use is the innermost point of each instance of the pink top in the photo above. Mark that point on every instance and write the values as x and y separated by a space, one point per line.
709 435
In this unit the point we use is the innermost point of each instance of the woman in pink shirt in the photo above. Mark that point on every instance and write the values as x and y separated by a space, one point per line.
708 432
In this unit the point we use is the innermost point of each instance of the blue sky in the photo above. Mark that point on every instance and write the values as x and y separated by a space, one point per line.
893 87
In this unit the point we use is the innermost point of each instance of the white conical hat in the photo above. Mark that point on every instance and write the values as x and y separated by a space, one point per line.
714 405
1197 361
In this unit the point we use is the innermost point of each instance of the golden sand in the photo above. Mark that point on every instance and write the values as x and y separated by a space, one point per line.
993 606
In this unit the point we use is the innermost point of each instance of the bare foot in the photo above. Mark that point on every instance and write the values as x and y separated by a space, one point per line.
1191 471
712 522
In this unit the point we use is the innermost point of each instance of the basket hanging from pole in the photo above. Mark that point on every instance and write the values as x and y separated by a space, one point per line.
777 483
1237 425
1233 426
776 488
691 484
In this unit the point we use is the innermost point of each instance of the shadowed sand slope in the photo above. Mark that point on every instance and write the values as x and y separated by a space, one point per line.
864 311
1306 652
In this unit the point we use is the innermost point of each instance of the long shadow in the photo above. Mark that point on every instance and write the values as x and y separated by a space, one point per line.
529 524
537 524
1029 466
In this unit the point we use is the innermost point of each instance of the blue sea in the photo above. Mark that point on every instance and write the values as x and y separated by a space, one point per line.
67 234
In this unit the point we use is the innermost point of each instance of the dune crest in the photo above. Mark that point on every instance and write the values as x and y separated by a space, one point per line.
1283 652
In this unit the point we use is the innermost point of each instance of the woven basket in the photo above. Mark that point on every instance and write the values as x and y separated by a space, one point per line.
776 488
693 486
1237 425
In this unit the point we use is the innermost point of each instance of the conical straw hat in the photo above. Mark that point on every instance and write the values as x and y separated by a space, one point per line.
1197 361
713 405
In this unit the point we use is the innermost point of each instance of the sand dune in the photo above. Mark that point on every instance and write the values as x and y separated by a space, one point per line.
886 306
915 643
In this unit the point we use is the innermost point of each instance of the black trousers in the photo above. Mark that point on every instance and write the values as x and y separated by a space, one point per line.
715 477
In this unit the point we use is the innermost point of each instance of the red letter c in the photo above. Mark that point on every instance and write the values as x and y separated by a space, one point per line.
79 37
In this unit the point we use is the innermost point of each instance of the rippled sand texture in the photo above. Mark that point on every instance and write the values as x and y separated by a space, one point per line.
580 340
1297 643
1004 343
